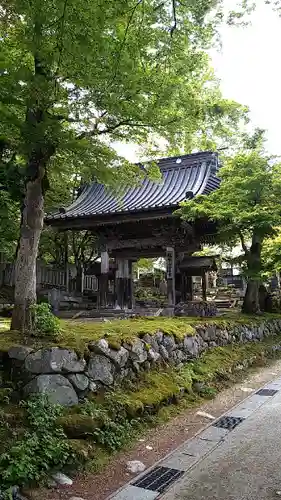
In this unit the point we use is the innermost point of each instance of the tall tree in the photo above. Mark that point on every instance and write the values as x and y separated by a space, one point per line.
271 255
77 75
246 208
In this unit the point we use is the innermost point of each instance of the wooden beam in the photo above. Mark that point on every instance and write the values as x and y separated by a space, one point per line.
140 244
101 220
135 254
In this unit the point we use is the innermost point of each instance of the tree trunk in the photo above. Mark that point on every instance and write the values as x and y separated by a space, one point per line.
251 300
251 304
25 270
79 277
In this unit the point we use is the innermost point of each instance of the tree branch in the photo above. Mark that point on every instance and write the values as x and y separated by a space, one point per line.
124 40
108 130
63 118
174 27
244 246
60 42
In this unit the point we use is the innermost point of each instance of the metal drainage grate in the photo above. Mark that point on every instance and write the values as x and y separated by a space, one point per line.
158 479
267 392
228 423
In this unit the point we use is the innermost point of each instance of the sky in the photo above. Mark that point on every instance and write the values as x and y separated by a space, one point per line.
249 68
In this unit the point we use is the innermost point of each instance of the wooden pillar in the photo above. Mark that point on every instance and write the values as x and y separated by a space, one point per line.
189 288
66 270
120 283
207 281
204 287
82 279
126 278
170 270
186 287
131 300
123 284
104 278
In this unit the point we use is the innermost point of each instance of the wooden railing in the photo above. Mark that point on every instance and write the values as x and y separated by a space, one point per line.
90 283
47 277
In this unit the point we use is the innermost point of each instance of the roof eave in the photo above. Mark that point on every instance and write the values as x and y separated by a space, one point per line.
88 221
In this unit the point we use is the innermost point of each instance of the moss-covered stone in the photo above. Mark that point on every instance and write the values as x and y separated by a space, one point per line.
114 344
83 450
78 426
159 387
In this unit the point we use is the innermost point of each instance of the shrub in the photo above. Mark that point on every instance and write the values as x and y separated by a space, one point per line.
114 430
45 322
42 448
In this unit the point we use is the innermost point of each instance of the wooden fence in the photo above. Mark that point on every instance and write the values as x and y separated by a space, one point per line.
48 277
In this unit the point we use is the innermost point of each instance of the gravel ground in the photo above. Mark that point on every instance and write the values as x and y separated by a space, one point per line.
162 441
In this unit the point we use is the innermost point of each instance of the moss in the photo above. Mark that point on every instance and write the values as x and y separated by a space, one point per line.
77 425
114 344
160 387
150 400
5 394
12 414
101 459
9 339
82 449
77 334
156 388
4 323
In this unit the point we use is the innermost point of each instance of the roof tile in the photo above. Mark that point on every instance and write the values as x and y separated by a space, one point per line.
193 174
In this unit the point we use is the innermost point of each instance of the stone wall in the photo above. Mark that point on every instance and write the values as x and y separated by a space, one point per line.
68 378
199 308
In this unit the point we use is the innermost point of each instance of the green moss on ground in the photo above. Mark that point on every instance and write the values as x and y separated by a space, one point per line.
4 323
77 334
9 339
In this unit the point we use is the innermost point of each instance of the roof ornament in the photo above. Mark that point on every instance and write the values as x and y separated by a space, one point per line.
189 195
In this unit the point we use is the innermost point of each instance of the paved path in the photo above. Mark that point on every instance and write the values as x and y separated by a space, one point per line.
243 463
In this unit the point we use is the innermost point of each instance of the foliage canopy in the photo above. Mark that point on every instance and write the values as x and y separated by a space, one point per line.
246 207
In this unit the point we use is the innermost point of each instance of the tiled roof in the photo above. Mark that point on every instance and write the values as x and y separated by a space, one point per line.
182 177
